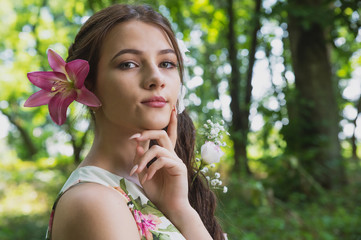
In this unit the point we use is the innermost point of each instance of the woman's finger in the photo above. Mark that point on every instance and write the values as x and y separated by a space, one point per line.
172 127
171 166
160 136
139 152
154 152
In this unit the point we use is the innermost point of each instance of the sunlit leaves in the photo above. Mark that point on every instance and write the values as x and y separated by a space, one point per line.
202 6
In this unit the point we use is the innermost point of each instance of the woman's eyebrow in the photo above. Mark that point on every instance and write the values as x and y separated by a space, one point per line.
139 52
127 50
166 51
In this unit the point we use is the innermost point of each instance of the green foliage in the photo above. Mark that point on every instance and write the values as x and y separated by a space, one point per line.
250 211
21 227
27 192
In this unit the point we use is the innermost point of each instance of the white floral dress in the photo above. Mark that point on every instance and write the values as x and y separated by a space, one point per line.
151 223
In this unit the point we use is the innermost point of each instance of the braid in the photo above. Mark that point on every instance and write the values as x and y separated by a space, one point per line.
202 199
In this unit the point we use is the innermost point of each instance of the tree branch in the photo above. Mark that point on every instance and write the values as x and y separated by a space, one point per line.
28 142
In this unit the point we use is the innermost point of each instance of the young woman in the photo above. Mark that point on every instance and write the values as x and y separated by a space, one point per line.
135 181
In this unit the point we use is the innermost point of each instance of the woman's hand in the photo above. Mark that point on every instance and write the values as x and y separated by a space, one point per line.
165 182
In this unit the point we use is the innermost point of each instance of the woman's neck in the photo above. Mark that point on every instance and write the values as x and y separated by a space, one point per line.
112 149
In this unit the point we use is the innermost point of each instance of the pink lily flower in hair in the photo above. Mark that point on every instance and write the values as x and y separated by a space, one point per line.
61 87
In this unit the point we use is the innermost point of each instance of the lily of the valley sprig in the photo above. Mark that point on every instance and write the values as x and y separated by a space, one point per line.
60 87
211 152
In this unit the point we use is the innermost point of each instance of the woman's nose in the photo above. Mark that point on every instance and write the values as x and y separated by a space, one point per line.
153 78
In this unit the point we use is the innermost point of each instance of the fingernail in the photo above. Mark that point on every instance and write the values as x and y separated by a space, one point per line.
133 170
144 178
137 135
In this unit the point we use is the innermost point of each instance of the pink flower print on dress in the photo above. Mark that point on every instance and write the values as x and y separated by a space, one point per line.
145 223
61 87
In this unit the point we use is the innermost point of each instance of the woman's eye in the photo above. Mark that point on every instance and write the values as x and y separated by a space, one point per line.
127 65
167 65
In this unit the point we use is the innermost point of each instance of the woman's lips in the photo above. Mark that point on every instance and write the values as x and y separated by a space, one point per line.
156 102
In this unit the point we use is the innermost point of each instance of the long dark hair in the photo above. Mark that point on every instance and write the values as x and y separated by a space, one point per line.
87 45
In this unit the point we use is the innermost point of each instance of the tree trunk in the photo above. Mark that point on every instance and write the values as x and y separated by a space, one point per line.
240 103
315 121
235 90
246 104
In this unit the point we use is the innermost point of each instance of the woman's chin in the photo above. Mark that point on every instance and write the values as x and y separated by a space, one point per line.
155 124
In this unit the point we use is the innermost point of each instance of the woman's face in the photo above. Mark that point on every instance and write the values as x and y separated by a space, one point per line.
138 80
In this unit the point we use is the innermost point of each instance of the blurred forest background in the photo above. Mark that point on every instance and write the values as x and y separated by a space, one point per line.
285 75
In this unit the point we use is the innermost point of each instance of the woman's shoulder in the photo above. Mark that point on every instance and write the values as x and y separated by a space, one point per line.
89 194
93 211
